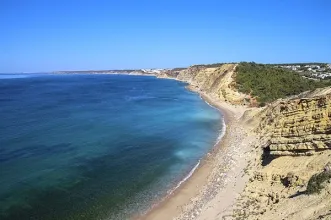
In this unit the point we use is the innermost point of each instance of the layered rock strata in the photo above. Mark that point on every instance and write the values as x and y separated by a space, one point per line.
299 126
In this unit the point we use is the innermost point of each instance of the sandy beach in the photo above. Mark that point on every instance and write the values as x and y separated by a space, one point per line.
212 189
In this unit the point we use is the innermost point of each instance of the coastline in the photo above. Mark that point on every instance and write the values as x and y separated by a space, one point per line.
218 179
210 190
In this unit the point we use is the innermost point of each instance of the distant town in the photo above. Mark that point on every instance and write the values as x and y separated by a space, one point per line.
312 70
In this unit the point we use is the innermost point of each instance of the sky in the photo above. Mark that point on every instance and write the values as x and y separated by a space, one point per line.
51 35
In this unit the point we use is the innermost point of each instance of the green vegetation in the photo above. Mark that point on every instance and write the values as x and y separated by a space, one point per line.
315 184
214 65
179 68
268 83
209 65
294 64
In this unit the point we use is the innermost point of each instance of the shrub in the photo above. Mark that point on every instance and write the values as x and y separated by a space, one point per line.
268 83
315 184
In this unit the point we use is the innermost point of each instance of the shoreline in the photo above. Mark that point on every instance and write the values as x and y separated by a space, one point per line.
189 199
217 179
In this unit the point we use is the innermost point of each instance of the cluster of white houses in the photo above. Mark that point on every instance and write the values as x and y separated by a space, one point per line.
315 70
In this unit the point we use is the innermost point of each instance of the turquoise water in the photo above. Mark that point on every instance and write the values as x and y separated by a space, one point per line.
96 146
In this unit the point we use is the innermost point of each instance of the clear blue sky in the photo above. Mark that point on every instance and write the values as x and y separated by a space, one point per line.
78 35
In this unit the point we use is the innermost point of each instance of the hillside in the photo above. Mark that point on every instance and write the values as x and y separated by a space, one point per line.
245 83
294 136
218 82
268 83
295 146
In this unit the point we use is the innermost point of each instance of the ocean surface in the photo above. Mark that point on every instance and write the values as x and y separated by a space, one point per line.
96 146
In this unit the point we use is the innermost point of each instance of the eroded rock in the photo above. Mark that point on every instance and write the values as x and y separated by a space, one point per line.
299 126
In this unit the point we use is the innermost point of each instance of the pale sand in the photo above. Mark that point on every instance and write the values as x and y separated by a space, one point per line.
214 186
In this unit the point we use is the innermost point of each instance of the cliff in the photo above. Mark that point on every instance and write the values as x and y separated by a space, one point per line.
294 144
300 125
218 82
297 126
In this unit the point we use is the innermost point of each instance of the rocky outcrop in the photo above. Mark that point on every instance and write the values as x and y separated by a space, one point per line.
279 190
298 126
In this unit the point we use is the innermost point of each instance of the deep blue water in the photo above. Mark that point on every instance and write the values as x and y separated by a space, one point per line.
96 146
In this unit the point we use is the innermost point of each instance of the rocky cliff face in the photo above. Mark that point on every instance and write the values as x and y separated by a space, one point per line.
298 126
215 81
289 130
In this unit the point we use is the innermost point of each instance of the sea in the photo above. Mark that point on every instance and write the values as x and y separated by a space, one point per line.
97 146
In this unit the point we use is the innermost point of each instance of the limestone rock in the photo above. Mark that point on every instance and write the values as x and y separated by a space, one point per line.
298 126
216 81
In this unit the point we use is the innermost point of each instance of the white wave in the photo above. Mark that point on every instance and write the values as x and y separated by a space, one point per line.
222 133
181 153
185 178
171 191
223 129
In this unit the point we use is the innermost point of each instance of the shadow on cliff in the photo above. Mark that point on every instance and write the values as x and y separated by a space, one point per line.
267 157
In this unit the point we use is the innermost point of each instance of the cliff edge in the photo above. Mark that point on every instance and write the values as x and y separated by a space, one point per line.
297 126
218 82
295 144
